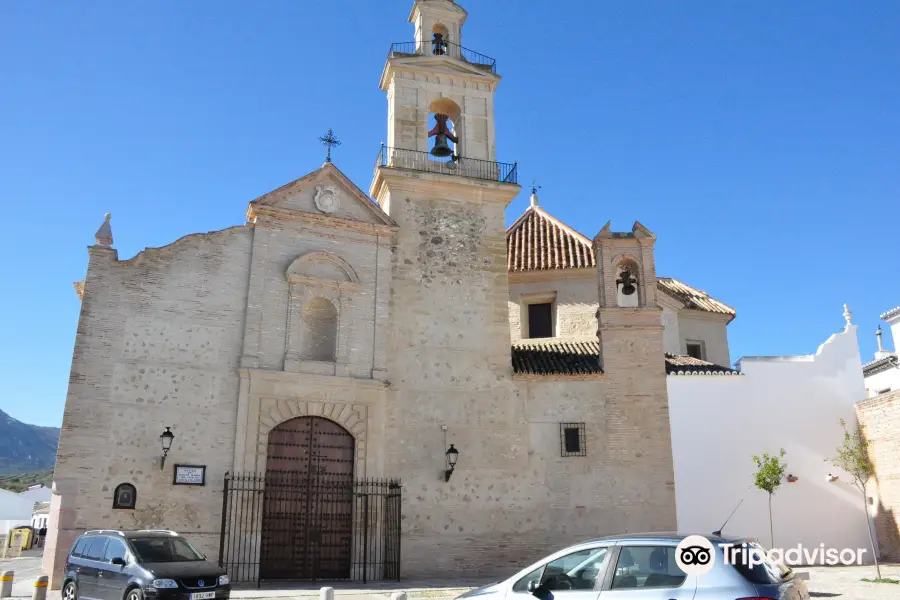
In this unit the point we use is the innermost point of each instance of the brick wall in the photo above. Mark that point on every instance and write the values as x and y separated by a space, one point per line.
880 419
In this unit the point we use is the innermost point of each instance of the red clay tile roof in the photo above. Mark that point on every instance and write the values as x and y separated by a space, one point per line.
583 358
537 241
693 298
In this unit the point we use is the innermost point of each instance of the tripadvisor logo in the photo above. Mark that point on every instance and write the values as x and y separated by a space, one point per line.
695 555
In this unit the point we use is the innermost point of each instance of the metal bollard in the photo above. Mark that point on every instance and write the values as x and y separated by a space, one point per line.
326 593
398 596
6 581
40 588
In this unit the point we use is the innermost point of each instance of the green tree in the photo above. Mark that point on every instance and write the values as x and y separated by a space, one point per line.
853 457
769 473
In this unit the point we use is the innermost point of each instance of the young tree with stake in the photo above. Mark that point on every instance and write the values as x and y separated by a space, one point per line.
853 457
769 473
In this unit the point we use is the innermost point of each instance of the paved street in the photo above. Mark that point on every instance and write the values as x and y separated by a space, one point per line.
824 582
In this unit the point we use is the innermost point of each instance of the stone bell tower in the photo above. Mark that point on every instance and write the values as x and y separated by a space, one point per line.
630 331
449 354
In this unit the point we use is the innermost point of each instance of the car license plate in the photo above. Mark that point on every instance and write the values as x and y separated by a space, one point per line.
203 595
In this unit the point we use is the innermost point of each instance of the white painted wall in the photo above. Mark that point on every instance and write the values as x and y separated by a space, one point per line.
719 422
711 328
14 508
885 380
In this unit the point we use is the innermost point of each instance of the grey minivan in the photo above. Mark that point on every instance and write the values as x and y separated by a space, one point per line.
643 567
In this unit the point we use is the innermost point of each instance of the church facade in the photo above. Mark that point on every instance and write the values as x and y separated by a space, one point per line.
340 335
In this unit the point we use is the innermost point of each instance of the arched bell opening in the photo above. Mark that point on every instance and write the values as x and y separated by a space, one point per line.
444 125
629 292
440 35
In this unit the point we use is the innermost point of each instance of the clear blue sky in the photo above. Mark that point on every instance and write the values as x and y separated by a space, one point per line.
759 140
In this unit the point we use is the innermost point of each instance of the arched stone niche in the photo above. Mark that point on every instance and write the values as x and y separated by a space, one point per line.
322 287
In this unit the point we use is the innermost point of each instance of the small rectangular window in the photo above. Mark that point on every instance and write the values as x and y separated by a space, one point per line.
695 349
540 320
572 439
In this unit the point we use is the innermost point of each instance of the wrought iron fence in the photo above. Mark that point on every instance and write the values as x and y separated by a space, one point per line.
427 47
461 166
293 526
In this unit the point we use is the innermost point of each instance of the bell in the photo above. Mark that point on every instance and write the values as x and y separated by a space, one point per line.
441 148
627 282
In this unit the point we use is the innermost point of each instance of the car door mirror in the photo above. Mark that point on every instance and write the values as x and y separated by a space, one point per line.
117 560
539 590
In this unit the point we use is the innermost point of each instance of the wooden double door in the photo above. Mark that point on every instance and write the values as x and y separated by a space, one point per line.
307 521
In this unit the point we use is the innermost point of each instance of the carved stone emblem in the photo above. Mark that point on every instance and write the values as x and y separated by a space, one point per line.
327 198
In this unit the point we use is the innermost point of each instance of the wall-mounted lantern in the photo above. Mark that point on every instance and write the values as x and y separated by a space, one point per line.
165 439
452 456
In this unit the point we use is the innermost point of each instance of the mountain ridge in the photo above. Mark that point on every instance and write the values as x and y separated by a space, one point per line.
26 448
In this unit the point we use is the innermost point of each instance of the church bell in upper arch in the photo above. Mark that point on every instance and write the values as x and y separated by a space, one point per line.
441 148
441 134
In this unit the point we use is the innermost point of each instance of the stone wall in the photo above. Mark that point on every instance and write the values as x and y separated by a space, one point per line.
158 344
710 328
574 293
880 420
513 497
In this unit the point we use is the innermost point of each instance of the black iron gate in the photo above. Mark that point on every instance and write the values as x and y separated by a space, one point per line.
290 526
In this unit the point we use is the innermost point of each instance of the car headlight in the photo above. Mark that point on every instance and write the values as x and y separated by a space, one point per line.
164 583
223 580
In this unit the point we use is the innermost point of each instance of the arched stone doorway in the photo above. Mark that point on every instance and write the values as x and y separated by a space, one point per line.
307 526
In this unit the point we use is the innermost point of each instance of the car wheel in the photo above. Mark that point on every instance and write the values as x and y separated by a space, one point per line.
70 592
134 594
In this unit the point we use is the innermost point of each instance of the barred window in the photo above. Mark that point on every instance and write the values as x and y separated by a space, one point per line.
572 439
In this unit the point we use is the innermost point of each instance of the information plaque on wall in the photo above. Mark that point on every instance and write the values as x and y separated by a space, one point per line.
190 475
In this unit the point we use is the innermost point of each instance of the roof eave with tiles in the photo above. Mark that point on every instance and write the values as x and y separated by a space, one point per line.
880 365
890 314
552 357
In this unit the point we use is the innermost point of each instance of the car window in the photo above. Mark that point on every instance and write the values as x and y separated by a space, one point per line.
80 546
522 584
647 567
97 548
164 549
576 571
115 549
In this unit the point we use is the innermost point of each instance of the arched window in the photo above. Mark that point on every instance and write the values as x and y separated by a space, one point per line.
443 125
320 322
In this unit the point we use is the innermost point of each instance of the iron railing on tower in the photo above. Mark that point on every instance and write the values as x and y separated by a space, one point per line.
433 48
416 160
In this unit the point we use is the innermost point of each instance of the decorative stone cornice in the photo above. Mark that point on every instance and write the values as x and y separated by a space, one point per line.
254 212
